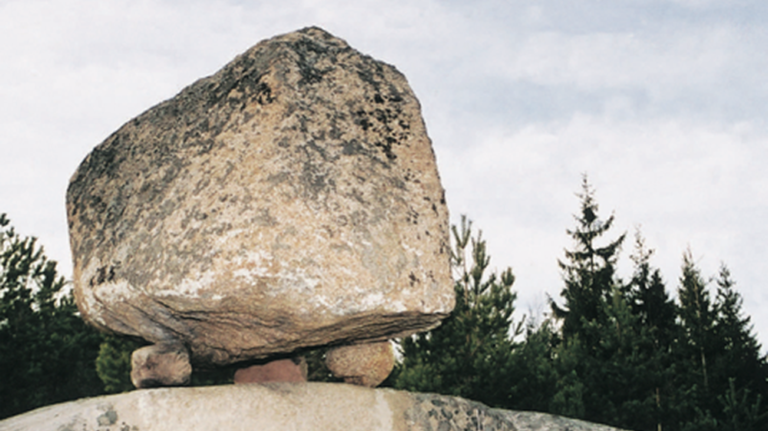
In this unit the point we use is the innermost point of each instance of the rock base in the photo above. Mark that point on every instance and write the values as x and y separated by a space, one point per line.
283 406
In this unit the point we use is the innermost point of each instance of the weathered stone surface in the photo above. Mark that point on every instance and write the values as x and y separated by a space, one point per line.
366 364
164 364
284 406
280 370
290 200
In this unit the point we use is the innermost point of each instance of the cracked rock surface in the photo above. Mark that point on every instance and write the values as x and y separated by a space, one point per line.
290 200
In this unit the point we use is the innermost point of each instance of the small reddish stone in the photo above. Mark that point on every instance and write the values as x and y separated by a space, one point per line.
281 370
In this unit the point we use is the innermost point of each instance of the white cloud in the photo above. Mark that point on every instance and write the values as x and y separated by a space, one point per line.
687 184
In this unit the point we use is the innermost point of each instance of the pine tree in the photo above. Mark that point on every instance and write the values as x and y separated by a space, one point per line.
46 351
113 364
469 355
534 374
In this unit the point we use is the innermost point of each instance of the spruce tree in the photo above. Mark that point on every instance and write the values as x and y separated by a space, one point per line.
698 319
740 372
588 271
739 351
723 386
598 356
697 406
656 313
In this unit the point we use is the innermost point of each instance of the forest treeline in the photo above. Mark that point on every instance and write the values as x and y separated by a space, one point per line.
613 351
623 353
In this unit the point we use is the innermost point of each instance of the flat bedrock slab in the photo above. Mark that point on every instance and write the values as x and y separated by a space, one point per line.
290 200
284 406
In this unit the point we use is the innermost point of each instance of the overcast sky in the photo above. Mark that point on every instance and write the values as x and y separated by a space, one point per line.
662 103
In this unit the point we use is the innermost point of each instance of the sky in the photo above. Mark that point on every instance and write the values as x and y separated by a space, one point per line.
661 103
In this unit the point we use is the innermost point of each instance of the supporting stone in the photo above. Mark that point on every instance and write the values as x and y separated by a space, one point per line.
362 364
281 370
162 364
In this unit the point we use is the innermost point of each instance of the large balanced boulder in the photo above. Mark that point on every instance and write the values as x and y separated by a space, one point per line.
285 406
290 200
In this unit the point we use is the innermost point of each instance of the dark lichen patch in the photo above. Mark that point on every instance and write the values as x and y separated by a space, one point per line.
126 427
411 216
107 418
263 94
263 218
438 412
353 147
385 125
104 274
361 119
386 147
314 53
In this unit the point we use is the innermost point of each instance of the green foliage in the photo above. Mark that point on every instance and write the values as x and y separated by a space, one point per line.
629 357
317 371
470 354
46 351
741 411
697 320
656 331
113 364
588 271
213 376
727 378
533 376
621 354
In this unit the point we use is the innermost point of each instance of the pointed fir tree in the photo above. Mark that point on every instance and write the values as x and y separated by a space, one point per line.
739 372
588 271
739 350
723 383
657 328
697 405
649 297
697 318
469 354
599 359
